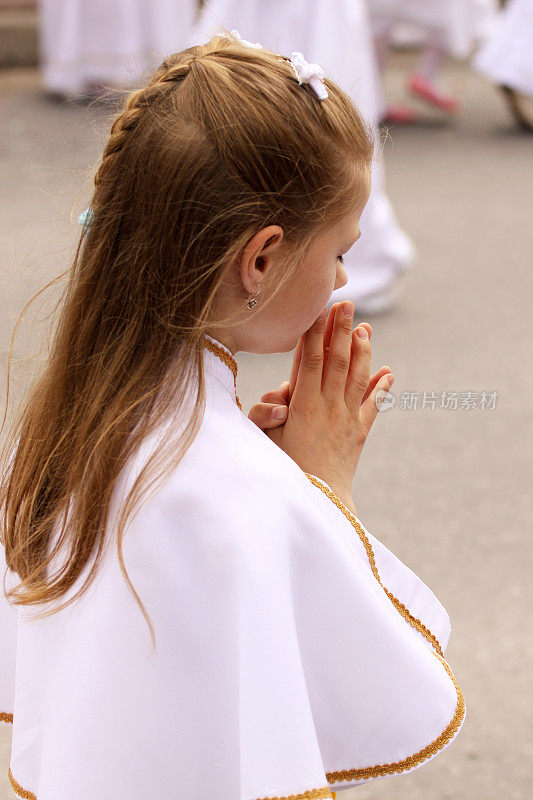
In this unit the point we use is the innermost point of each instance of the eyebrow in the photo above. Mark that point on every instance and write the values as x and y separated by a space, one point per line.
354 241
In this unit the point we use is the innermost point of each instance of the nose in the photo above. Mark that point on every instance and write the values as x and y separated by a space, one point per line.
339 283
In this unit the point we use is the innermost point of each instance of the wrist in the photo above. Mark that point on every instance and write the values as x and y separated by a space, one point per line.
345 496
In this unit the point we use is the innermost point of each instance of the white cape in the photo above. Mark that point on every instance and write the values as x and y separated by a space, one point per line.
507 56
115 43
337 36
296 654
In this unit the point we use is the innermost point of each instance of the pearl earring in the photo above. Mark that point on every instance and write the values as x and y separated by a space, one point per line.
251 302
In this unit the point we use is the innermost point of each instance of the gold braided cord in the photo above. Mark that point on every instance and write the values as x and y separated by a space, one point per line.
227 359
417 758
311 794
404 611
17 788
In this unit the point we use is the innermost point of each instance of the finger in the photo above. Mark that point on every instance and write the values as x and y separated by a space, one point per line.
359 374
327 340
298 352
261 415
309 378
329 325
370 409
329 329
340 354
374 379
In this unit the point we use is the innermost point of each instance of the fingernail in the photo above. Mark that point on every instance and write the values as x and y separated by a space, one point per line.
361 332
390 380
348 309
279 412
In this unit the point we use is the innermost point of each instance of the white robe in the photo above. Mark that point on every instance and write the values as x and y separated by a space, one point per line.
336 34
507 56
115 43
295 653
461 24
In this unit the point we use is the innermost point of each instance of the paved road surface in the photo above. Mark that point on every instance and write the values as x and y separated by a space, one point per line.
447 490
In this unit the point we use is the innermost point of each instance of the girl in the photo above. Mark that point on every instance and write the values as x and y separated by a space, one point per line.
201 613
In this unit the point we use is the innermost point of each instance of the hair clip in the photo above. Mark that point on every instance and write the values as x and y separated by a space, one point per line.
245 41
86 217
310 73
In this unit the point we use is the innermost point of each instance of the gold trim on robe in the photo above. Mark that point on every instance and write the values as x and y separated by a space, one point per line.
453 726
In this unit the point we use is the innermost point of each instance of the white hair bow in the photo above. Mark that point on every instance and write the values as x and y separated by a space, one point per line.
312 74
245 41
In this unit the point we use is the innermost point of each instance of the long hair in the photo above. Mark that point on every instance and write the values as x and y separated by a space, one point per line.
221 142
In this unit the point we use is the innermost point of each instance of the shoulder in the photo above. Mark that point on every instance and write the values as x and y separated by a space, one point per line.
233 458
232 478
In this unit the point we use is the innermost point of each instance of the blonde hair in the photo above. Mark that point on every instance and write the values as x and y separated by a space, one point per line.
221 142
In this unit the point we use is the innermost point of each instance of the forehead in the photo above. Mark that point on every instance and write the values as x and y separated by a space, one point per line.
347 228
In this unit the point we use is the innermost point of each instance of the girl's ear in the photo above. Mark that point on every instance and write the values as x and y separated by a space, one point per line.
275 238
253 259
271 238
270 245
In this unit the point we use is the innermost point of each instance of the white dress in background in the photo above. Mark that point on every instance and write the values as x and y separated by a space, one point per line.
115 43
507 57
295 654
335 34
460 24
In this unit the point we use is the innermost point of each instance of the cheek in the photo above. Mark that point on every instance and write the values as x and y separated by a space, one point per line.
313 288
342 275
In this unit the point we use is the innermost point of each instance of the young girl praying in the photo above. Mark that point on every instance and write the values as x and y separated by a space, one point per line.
192 608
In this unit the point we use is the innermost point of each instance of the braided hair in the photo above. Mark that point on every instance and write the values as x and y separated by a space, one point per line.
173 70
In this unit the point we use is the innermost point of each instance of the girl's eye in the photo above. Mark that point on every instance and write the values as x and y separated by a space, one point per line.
341 259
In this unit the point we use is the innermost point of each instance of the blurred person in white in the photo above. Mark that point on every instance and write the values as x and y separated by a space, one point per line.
451 28
89 47
336 34
506 58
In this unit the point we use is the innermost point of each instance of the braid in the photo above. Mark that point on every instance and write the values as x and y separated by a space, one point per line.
173 70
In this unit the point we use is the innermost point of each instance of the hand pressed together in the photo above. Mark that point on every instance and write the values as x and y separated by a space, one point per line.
330 400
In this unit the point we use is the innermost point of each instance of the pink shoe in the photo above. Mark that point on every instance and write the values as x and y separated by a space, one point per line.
400 115
420 86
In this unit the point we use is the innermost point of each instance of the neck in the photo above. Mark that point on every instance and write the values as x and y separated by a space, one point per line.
224 338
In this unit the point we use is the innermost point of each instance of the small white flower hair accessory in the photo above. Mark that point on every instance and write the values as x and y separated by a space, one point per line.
312 74
245 41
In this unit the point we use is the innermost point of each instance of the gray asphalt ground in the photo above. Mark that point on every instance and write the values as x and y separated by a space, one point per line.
447 490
